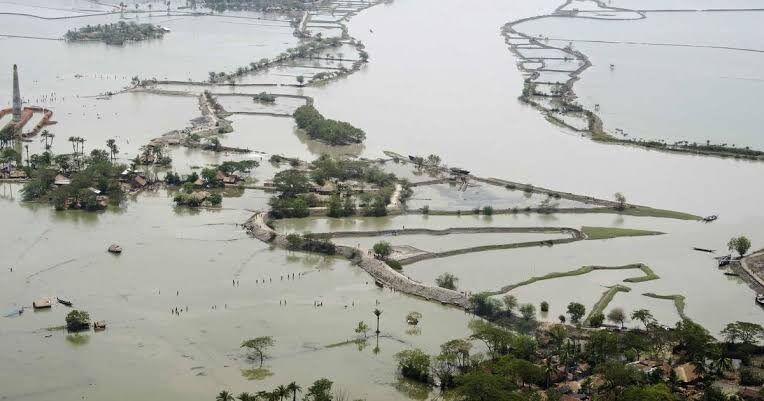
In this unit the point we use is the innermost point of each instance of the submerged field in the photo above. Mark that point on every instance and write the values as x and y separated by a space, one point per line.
464 110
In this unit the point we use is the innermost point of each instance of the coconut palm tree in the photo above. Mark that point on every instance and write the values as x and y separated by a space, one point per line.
377 312
282 392
294 388
113 150
73 140
245 396
224 396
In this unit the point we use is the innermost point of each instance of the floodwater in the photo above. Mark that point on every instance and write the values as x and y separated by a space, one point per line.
454 95
661 54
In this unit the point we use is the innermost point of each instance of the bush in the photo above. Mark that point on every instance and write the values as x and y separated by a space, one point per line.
748 377
596 320
544 306
77 320
447 280
394 264
414 364
383 249
488 210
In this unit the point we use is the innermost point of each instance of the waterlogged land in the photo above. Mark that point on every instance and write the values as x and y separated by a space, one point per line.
597 47
202 259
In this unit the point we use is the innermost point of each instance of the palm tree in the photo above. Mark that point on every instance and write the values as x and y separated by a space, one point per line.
112 145
73 140
224 396
294 388
377 312
282 392
245 396
82 144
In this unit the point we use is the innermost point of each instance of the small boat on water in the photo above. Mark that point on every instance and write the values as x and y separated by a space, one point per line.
725 260
703 250
64 301
711 218
99 325
731 274
760 299
114 248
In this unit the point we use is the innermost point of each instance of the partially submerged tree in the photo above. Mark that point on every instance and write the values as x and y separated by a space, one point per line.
362 328
382 249
259 345
740 244
447 280
620 201
77 320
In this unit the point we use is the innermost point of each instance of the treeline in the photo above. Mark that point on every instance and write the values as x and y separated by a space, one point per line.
254 5
116 34
330 131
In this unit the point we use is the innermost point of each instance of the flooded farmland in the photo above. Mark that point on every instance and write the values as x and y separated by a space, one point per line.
432 85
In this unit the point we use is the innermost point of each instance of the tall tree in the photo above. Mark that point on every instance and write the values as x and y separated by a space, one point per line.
259 345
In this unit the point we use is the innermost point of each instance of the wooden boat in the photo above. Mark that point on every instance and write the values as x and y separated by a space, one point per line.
99 325
725 260
64 301
760 299
703 250
114 248
42 303
711 218
731 274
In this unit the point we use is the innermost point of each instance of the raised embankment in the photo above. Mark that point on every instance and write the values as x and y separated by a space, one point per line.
257 226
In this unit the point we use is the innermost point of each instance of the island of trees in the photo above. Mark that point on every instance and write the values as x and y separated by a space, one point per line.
116 34
332 132
76 181
342 187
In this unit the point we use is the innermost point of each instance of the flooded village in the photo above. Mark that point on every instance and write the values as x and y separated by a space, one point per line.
381 200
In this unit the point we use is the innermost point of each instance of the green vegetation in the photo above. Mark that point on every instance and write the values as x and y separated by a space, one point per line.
259 346
649 275
116 34
607 296
264 97
332 132
414 364
382 249
594 233
77 320
678 302
310 243
93 181
253 5
576 311
447 280
362 328
740 244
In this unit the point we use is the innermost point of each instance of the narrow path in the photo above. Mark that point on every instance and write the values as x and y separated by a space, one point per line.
384 275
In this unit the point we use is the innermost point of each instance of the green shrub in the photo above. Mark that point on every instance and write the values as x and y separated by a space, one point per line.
394 264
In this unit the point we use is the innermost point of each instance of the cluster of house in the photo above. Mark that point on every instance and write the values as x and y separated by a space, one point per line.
686 376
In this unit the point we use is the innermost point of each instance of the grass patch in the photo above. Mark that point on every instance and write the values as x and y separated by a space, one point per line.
678 302
649 275
593 233
256 374
603 302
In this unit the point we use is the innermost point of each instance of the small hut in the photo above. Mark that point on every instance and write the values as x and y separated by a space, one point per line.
42 303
